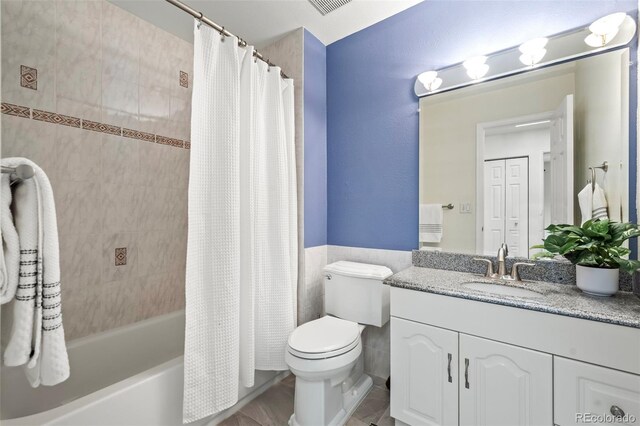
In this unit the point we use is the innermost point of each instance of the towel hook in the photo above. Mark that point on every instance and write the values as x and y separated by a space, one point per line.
604 167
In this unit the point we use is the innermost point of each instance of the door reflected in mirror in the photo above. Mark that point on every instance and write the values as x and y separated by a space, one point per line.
514 155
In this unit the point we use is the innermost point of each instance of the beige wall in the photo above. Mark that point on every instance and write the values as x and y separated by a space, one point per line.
121 76
448 143
601 127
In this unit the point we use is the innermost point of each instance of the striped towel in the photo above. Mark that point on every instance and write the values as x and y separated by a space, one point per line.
430 223
600 206
37 339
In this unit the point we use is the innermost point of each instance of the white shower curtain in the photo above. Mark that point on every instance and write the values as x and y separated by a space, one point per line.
242 247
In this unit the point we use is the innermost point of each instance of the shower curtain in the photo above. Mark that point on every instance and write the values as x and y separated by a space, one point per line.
242 241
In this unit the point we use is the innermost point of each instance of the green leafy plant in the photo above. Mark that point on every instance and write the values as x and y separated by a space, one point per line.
596 243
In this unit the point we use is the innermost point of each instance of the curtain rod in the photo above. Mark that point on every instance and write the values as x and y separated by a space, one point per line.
200 17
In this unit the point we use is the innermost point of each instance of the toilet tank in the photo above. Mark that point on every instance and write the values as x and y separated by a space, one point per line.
354 291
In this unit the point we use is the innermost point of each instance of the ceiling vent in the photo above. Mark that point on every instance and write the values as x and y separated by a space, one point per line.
326 6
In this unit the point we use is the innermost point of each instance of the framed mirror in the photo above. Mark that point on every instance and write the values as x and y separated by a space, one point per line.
501 160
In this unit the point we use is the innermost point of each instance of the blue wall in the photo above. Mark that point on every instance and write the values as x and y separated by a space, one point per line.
372 111
315 141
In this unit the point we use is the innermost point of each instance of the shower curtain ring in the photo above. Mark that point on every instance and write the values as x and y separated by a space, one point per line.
200 20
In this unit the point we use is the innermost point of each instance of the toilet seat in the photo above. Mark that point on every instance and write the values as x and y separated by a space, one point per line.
325 337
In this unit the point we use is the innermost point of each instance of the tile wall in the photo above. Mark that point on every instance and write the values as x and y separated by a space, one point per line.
101 101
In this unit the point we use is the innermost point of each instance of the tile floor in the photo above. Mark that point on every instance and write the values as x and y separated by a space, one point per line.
275 406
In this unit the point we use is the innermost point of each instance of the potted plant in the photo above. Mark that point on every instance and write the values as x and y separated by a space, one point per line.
596 250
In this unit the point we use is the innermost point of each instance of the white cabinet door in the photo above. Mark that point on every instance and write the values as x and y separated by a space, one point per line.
503 384
586 393
424 380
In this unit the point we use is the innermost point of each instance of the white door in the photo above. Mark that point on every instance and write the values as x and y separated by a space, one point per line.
562 162
506 205
504 385
517 206
424 379
494 205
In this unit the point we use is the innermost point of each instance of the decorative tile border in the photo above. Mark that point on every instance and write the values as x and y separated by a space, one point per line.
169 141
28 77
51 117
17 110
66 120
135 134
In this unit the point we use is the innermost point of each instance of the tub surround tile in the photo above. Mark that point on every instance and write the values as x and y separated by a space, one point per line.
28 77
108 123
27 40
17 110
567 300
51 117
101 127
184 79
556 271
80 261
79 206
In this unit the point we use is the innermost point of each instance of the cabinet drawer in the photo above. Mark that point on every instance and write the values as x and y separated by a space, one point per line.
581 390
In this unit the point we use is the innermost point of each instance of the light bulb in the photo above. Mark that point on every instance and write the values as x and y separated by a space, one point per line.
476 67
533 51
430 80
604 29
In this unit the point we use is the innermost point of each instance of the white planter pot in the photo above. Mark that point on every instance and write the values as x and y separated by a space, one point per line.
597 281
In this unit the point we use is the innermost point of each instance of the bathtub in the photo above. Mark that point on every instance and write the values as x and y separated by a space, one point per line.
129 376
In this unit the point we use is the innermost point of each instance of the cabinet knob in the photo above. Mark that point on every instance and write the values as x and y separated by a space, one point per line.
616 411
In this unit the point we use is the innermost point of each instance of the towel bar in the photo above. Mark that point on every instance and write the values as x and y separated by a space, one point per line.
22 172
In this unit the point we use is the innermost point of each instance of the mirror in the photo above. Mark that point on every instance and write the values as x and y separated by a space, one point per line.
501 160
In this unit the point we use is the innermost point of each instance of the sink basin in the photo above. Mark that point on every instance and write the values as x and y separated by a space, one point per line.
503 289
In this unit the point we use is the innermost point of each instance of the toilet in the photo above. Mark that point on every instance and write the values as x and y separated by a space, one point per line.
326 354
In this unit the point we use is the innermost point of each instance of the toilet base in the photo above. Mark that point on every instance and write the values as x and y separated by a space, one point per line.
351 398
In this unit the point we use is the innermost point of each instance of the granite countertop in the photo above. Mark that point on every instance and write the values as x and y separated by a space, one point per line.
561 299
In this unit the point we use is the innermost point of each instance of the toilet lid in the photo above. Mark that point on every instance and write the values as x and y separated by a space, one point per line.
326 334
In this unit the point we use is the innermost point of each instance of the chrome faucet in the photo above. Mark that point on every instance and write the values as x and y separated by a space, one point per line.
503 252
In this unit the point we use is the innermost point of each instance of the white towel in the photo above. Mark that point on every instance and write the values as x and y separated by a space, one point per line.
600 206
10 261
585 200
593 203
430 223
37 336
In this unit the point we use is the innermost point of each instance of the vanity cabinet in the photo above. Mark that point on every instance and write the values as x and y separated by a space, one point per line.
424 374
504 384
437 374
463 362
581 388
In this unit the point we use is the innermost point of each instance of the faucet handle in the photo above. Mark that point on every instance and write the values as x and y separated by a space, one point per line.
515 274
506 249
489 263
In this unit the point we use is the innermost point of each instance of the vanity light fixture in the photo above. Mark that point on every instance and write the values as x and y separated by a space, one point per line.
476 67
604 29
430 80
533 51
